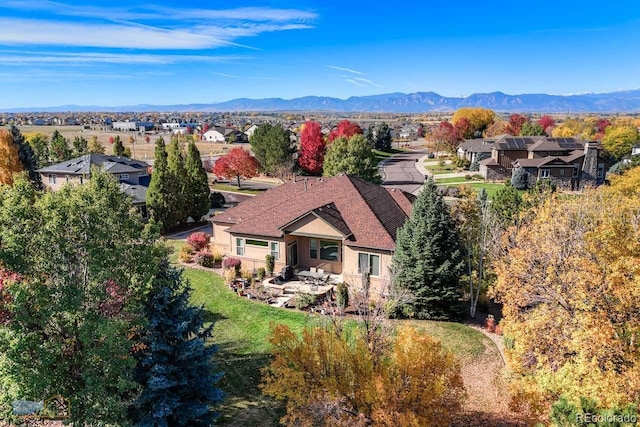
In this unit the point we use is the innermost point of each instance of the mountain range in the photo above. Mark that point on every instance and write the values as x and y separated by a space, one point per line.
418 102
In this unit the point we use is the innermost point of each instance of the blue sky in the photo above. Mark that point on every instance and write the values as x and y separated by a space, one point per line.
178 52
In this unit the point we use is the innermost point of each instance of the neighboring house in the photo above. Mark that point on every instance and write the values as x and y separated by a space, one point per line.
249 132
571 163
476 149
132 126
341 224
213 135
132 174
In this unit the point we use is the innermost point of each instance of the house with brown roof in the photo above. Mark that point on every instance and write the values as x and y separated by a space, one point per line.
343 225
569 162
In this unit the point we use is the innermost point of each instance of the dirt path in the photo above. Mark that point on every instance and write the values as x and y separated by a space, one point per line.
487 403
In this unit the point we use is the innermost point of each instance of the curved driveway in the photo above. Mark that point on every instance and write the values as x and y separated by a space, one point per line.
400 171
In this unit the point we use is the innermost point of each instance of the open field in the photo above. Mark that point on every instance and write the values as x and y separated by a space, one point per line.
241 330
140 149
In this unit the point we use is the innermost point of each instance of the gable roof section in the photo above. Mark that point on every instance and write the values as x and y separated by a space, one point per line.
370 213
508 142
82 165
557 144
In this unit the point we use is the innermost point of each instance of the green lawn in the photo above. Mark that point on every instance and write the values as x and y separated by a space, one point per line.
490 187
240 332
458 179
439 170
227 187
381 155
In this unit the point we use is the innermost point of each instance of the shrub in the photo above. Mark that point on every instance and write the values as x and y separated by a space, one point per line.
520 179
246 274
217 256
229 275
261 273
271 263
342 295
217 200
467 176
198 240
229 263
203 258
303 301
474 166
185 254
461 162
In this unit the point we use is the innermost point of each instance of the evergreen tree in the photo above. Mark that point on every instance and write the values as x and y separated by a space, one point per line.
118 146
370 135
59 150
175 367
80 146
383 138
428 260
40 145
95 146
272 147
520 179
178 173
197 184
507 204
27 156
162 189
351 156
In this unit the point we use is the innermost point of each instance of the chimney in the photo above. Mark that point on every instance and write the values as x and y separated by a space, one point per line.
589 175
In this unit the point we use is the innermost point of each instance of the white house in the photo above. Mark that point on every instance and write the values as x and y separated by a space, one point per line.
213 135
249 132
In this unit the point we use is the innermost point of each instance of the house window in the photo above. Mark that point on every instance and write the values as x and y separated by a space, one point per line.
122 176
275 250
544 173
576 169
600 170
262 243
368 263
52 179
313 249
329 250
562 172
239 246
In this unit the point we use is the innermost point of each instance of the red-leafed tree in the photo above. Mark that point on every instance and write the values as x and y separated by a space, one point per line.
238 164
111 140
546 122
464 129
445 136
189 130
205 128
601 126
345 128
515 124
312 148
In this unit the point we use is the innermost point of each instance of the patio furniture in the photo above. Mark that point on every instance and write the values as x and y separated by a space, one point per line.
313 276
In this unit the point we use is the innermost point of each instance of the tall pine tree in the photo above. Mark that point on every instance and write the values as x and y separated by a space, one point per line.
59 150
118 146
428 260
178 172
383 137
175 368
161 195
197 184
27 156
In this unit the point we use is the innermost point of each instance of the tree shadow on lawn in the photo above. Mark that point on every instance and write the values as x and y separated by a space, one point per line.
244 404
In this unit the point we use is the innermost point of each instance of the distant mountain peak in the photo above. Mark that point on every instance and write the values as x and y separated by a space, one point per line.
397 102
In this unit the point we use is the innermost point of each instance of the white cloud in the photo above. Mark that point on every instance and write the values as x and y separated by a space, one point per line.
231 76
157 12
348 70
30 57
362 82
355 82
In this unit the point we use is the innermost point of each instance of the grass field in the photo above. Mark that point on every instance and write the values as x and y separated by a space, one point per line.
439 170
490 187
241 330
228 187
440 181
381 155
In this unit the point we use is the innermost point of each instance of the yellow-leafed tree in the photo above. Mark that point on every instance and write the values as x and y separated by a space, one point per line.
570 285
332 379
479 118
9 158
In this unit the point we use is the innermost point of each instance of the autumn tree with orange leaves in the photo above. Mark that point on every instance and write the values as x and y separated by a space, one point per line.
9 158
570 284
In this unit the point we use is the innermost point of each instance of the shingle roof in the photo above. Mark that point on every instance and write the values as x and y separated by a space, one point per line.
477 145
557 144
138 193
82 165
370 213
488 162
516 142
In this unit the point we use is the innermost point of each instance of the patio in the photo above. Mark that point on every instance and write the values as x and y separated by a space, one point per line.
316 286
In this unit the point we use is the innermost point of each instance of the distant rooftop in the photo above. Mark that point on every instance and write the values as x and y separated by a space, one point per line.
82 165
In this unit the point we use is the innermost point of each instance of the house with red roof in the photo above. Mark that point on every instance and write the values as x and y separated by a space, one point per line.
342 224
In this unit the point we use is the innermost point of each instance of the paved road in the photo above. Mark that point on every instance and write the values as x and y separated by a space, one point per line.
400 171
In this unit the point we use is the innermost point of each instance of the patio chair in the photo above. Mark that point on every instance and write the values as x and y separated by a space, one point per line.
320 270
313 269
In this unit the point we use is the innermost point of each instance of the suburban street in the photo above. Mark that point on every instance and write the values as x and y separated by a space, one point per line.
400 171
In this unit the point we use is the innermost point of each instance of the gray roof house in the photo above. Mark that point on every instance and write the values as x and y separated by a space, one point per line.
132 174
